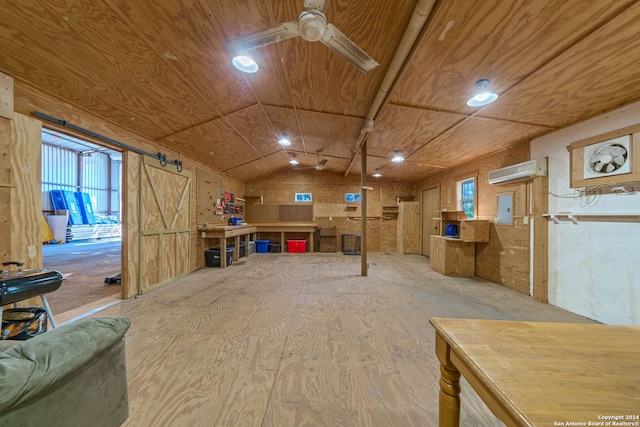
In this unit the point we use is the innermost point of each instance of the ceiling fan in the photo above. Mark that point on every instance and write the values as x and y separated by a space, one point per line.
311 26
321 165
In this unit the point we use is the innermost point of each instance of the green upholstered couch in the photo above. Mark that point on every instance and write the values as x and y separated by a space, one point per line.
74 375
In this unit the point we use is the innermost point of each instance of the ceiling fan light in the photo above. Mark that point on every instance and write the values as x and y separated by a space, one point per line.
377 174
245 63
293 160
312 25
397 157
483 95
284 141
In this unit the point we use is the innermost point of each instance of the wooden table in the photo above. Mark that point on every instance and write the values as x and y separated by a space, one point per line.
223 232
539 373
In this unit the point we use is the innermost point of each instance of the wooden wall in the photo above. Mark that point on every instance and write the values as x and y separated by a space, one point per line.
27 100
20 153
20 212
328 191
505 258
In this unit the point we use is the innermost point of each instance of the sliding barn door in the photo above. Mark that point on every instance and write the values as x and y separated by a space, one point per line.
164 224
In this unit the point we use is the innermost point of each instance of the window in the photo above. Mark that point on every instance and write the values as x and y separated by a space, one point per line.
468 197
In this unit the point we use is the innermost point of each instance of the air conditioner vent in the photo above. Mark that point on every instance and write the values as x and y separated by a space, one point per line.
519 172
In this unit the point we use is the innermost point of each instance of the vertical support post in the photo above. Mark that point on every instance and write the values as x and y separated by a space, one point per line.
363 209
540 256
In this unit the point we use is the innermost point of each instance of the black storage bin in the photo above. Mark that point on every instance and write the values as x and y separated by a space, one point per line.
242 248
212 257
276 247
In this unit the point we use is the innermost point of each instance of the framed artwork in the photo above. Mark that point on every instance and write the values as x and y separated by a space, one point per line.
303 197
353 197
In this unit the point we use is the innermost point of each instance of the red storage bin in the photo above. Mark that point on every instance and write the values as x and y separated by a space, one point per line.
296 246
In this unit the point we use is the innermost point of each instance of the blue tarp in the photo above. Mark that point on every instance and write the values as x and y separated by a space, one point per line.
66 200
86 209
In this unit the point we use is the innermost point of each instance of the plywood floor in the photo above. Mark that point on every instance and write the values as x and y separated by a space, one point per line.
304 340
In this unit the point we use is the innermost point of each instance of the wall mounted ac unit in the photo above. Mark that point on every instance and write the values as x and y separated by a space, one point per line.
519 172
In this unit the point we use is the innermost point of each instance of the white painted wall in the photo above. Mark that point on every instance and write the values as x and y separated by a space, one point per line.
594 266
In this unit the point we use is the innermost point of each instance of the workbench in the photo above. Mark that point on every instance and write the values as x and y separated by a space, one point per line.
288 227
223 232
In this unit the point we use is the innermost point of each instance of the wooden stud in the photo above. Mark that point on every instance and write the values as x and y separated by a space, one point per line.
540 188
6 96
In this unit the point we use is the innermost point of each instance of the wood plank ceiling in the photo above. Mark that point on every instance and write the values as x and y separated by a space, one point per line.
158 69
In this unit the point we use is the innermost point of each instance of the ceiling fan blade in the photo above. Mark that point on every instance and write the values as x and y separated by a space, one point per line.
260 38
342 45
322 162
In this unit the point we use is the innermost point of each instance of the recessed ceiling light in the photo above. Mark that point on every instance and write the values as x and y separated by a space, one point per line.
377 174
397 157
284 140
293 160
483 95
245 63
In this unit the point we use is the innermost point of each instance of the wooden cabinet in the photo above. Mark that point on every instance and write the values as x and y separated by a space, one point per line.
453 253
467 230
474 230
452 257
408 228
328 239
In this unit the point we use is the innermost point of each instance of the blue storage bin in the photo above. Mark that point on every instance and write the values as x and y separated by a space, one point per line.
262 246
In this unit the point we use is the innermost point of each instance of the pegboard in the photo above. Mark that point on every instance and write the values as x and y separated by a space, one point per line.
209 195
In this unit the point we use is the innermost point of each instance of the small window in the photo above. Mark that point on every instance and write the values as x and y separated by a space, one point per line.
468 197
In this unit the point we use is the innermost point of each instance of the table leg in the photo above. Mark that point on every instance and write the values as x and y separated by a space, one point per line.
223 252
236 250
45 303
449 386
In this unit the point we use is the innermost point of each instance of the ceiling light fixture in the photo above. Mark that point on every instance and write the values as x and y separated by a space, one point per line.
245 63
483 95
284 140
397 157
377 174
293 160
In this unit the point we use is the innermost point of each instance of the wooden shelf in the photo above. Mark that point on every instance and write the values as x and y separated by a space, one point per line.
253 199
469 230
400 199
389 210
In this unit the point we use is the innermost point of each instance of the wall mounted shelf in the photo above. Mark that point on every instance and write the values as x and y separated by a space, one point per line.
600 217
390 210
253 199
